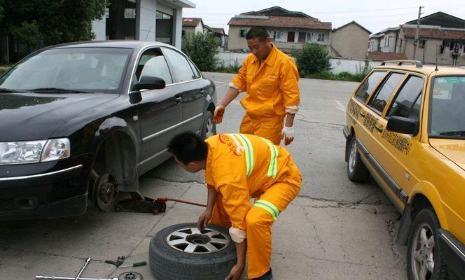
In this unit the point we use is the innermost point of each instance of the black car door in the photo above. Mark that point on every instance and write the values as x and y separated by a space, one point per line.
192 88
160 111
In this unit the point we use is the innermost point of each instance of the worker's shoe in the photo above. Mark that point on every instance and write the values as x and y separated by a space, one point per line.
266 276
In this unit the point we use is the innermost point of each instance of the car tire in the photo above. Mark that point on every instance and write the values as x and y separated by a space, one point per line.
424 258
209 126
182 252
356 169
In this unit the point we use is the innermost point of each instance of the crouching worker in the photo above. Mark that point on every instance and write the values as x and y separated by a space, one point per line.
239 167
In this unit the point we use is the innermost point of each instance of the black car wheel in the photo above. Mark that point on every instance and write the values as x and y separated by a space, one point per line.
183 252
424 259
209 126
356 169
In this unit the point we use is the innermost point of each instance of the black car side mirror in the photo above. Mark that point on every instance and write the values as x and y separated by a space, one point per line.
149 82
403 125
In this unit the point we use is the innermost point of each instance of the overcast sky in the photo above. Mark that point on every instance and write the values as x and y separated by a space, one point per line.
373 15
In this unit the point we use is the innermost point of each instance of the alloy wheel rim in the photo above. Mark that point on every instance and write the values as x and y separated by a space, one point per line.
352 157
193 241
423 253
209 131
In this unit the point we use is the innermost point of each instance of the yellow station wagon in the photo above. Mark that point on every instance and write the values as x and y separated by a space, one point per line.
406 127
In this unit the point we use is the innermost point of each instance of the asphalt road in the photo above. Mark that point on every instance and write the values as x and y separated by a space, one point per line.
335 229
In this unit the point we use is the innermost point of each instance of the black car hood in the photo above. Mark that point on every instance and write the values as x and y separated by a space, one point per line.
35 116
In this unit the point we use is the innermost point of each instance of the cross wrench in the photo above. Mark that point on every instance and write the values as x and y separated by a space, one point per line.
78 277
70 278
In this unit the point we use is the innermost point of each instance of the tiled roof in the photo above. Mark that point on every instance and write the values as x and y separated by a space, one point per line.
218 30
274 21
383 56
190 22
277 11
352 22
435 33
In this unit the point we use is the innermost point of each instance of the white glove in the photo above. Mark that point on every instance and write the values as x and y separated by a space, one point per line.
289 134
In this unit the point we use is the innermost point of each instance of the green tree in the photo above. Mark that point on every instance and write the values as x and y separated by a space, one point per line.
50 22
312 59
202 49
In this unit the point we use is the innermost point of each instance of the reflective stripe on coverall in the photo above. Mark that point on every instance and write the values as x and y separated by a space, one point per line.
272 91
242 166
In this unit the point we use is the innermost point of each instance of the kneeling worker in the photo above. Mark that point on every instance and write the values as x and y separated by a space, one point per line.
239 167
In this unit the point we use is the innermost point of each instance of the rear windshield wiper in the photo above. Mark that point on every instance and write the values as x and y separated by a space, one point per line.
453 133
52 89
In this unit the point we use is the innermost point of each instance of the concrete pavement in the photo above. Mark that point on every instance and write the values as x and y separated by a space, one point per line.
335 229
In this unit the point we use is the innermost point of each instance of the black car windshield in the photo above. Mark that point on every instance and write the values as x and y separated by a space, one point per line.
70 69
447 117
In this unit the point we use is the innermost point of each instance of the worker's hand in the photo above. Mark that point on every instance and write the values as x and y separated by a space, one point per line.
202 223
235 273
218 114
288 134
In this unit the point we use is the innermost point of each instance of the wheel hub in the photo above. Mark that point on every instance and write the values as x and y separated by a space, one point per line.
105 193
191 240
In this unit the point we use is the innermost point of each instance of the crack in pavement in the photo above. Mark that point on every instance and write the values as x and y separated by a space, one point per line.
322 123
344 262
319 241
391 227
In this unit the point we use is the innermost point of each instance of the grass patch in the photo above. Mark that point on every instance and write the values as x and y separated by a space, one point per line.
229 69
344 76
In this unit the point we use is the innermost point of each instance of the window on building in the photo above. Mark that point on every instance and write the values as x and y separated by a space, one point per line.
291 36
130 13
422 44
408 101
107 12
381 97
321 37
369 85
309 36
243 33
400 46
302 36
386 41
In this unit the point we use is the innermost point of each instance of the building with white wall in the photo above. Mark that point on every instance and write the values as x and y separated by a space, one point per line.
145 20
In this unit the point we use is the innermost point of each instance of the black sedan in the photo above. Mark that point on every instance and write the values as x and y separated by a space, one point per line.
85 120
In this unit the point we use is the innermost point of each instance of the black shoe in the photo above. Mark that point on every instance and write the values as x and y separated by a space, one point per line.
266 276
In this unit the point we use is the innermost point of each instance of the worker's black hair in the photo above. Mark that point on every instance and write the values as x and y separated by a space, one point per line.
257 32
187 147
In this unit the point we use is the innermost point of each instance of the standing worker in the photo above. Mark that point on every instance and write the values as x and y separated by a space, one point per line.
239 167
270 79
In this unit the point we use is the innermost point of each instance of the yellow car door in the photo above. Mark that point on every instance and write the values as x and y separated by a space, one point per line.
388 160
357 110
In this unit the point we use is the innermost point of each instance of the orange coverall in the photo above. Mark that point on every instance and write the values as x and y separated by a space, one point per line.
272 91
240 167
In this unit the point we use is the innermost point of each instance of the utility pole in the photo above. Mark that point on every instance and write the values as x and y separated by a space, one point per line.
417 34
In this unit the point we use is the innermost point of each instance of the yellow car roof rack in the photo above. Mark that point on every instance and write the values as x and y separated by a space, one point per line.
417 63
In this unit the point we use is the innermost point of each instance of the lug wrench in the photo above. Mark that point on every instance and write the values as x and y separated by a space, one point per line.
82 269
78 277
70 278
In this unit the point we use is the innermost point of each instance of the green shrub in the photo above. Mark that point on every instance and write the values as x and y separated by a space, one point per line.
3 68
202 49
312 59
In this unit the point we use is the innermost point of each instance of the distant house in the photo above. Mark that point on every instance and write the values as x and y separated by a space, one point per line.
288 29
439 35
350 41
222 37
193 25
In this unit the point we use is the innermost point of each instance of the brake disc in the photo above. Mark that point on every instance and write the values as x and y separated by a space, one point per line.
130 276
